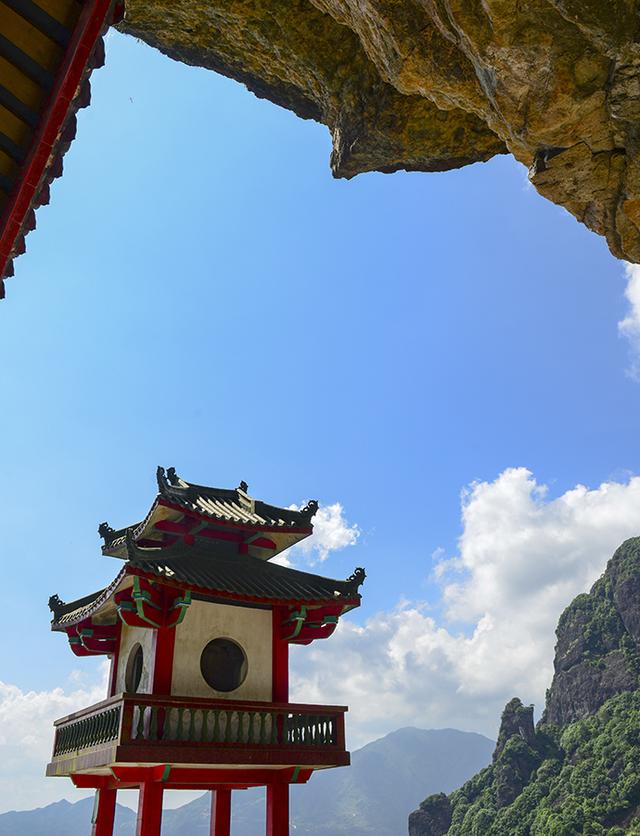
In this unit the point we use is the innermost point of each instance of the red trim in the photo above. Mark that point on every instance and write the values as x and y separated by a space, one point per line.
91 22
263 543
114 663
164 646
105 813
175 527
149 819
196 776
273 529
220 813
279 657
277 810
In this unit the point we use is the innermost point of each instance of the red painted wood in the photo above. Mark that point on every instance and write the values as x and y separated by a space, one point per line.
113 676
172 527
263 543
164 644
279 657
92 782
271 529
206 778
277 810
220 812
105 813
90 24
149 819
139 774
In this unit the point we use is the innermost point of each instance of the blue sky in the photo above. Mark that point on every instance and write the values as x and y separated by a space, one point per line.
201 293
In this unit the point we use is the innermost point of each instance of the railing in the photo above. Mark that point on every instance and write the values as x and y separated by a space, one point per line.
142 719
220 724
93 730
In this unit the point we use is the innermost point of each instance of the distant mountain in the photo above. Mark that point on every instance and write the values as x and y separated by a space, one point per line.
62 819
387 779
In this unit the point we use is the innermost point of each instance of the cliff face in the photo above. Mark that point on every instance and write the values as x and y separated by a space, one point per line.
598 639
431 85
578 771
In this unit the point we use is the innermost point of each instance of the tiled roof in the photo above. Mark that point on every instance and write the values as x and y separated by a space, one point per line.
227 506
241 575
47 52
231 505
74 611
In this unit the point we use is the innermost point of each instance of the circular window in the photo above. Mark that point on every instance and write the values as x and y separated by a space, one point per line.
133 673
223 665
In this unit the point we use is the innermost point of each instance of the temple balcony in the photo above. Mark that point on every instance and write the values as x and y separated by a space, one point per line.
188 732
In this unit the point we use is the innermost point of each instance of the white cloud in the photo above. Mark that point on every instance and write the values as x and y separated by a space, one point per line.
331 532
26 739
629 327
522 558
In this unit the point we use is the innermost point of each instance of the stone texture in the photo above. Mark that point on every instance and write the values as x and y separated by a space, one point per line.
598 639
597 658
432 85
433 817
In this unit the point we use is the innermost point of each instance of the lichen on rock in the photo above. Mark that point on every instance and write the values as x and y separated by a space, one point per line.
431 85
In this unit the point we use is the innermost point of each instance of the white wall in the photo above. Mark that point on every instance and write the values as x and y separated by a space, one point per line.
129 637
204 621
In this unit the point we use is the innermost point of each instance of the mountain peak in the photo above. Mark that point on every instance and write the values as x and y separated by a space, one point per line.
591 717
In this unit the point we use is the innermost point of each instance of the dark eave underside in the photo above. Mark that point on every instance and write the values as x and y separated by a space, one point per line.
47 51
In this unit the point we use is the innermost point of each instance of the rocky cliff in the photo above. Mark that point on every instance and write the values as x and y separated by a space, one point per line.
432 85
578 771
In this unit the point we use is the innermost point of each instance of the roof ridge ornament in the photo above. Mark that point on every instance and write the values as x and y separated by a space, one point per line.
356 580
56 605
130 545
107 533
173 477
169 484
310 510
243 486
163 482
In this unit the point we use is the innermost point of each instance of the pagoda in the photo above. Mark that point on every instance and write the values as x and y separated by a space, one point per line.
197 624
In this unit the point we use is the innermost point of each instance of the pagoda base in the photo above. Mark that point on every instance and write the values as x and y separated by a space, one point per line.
156 743
152 784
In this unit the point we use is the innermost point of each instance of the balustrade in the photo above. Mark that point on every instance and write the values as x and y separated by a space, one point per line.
134 719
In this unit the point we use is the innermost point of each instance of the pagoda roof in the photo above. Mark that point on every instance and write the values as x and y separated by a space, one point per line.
242 575
239 578
182 507
47 52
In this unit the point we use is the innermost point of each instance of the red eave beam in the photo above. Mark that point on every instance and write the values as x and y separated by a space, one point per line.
93 17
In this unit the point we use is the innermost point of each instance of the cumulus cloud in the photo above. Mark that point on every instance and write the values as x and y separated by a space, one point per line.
629 327
522 557
331 532
26 738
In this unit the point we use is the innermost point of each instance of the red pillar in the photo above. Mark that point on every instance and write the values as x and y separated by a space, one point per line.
149 809
278 810
104 813
221 813
279 658
164 644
